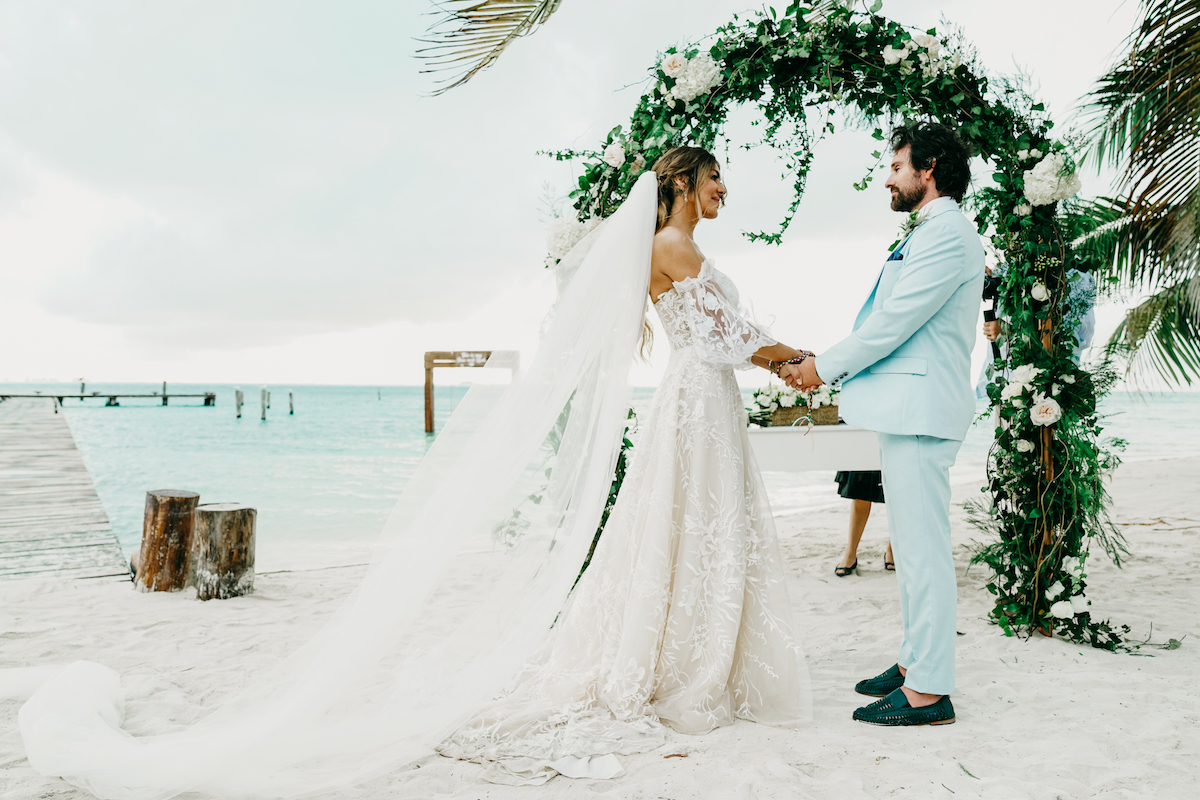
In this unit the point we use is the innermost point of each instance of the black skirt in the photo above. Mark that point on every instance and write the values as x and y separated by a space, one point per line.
861 485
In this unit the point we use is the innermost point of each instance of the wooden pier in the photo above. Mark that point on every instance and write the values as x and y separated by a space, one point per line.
209 398
52 524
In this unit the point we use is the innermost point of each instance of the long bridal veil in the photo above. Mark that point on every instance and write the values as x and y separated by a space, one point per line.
473 565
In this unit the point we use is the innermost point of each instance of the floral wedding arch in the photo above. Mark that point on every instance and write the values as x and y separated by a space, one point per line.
1046 469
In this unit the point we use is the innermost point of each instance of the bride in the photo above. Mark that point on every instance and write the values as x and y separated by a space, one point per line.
469 636
682 618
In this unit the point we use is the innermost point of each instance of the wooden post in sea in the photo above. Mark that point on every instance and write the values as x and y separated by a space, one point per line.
291 404
222 558
238 399
509 359
164 393
262 396
166 540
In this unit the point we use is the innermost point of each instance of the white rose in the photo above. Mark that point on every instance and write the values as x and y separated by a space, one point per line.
1035 153
763 399
673 65
1046 411
1018 402
787 400
1068 378
1054 389
1079 603
1073 565
1062 610
614 154
639 164
1012 389
773 407
1022 155
893 56
930 42
1024 446
1025 374
1023 210
1040 292
1055 590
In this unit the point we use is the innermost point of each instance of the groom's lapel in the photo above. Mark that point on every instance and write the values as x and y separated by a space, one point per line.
897 254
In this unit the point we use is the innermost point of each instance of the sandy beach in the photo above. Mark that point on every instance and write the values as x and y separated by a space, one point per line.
1037 718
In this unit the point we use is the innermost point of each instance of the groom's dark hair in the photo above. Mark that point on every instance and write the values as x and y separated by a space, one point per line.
932 144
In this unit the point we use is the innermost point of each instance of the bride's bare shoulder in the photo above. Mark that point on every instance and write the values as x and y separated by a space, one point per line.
675 255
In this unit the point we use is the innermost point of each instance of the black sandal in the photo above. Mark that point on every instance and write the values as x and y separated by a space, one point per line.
890 566
842 572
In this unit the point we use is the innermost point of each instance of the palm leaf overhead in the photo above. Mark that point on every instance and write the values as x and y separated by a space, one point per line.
473 33
1146 113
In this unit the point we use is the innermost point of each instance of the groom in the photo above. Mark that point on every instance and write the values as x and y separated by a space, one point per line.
905 372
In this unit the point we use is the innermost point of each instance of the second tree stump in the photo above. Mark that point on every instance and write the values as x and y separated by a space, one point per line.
222 563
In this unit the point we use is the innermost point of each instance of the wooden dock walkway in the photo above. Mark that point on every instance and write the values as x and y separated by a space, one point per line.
52 524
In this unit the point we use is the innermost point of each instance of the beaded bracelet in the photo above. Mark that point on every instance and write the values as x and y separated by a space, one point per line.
774 366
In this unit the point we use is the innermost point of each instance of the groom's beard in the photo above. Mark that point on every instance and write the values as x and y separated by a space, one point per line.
906 197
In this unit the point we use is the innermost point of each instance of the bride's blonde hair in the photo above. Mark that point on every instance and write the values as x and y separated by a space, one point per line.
689 163
685 162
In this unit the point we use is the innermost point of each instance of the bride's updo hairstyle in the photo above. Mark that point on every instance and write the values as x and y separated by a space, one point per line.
689 163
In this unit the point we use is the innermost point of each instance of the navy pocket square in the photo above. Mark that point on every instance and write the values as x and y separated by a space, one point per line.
895 256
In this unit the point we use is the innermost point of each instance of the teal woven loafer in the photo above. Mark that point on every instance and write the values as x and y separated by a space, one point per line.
881 685
895 710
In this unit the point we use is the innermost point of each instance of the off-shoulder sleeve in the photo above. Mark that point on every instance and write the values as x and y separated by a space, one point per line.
721 330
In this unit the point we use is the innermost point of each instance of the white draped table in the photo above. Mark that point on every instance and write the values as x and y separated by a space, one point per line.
823 447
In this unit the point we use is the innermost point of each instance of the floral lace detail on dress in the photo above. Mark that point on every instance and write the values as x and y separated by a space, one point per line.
703 312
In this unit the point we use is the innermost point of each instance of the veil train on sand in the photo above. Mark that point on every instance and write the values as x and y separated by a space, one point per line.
455 600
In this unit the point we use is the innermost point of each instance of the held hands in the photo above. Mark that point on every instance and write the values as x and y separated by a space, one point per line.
991 330
802 376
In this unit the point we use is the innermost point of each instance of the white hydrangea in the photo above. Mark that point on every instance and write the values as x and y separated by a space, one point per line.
700 76
614 154
674 65
563 233
1045 183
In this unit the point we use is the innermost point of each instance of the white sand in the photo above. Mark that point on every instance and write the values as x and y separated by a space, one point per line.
1036 718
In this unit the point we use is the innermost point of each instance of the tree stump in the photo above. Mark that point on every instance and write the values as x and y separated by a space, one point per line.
166 540
223 551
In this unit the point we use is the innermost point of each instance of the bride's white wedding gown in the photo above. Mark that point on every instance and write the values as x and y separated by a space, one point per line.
682 617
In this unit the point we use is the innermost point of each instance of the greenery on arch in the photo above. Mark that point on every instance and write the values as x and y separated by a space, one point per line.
1047 500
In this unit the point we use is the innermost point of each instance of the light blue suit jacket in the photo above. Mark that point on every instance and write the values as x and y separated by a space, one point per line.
906 368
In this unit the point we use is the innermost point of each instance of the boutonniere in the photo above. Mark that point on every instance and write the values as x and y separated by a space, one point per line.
911 223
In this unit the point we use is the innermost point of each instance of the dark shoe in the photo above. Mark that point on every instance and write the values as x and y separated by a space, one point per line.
881 685
890 566
894 710
842 572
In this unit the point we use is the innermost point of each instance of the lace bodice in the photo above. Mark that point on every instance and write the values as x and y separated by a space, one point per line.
703 313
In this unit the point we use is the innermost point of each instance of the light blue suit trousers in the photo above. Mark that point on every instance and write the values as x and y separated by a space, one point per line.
916 483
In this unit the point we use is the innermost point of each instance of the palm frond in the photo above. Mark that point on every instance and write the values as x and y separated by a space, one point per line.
1162 334
473 33
1146 110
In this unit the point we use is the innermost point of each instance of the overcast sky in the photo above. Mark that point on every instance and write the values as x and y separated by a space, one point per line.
263 191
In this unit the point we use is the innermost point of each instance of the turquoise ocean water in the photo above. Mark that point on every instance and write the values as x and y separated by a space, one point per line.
325 479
